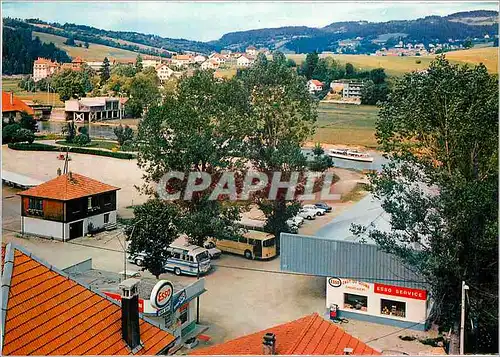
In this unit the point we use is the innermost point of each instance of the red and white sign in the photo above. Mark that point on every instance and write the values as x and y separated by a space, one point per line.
417 294
118 298
162 293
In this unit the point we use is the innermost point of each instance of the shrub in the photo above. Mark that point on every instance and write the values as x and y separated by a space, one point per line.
77 150
128 145
123 134
24 135
9 131
418 61
81 139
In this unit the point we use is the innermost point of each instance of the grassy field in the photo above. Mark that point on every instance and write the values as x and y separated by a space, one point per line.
93 53
396 66
9 85
346 124
98 144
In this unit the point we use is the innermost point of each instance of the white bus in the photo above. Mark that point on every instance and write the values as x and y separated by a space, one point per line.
187 259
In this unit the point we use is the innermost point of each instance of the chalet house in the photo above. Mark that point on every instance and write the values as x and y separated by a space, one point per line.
210 64
12 107
43 68
314 86
251 51
67 207
75 65
244 61
163 72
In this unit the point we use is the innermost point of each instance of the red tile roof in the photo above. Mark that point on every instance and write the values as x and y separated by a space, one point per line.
309 335
317 83
47 313
63 188
14 104
46 61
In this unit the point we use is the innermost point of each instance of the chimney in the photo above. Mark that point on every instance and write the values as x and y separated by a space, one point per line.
130 314
269 344
58 171
70 175
12 98
347 350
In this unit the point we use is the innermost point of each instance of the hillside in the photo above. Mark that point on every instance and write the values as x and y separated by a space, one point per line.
458 26
95 52
396 66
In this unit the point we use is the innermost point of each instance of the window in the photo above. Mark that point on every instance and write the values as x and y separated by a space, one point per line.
269 242
393 308
184 313
107 199
89 203
243 240
92 203
191 259
355 302
176 255
106 218
35 204
251 241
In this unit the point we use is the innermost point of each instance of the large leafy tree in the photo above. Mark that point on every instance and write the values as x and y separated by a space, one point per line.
152 230
72 84
309 66
282 115
440 129
144 93
199 128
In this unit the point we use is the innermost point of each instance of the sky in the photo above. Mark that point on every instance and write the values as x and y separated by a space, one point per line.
206 21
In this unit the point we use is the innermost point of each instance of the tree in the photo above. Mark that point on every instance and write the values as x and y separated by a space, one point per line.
468 44
378 76
152 230
309 65
441 191
123 134
349 70
70 41
320 162
144 92
24 135
291 63
105 71
70 131
72 84
372 94
200 128
86 44
138 64
27 122
282 115
9 132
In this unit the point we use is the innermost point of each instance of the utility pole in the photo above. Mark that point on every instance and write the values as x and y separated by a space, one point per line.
120 106
462 318
198 297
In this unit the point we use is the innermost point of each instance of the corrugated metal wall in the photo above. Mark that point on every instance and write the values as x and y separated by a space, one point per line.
328 257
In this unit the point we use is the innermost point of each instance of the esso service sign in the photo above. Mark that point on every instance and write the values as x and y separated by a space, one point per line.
162 293
335 282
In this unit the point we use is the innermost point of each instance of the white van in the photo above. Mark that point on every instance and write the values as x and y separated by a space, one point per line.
185 259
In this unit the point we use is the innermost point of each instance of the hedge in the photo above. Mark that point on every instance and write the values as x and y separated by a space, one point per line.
77 150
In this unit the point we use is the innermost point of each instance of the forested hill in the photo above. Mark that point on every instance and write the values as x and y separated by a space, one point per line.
20 50
458 26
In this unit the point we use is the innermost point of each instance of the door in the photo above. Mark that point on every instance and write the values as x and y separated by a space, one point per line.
257 248
76 230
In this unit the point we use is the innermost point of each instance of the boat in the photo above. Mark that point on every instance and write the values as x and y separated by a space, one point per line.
347 154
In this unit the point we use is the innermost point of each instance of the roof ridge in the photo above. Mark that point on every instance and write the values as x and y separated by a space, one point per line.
69 277
6 280
307 326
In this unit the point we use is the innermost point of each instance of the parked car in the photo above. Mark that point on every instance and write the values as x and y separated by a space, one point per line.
317 211
137 258
307 214
297 221
323 206
212 250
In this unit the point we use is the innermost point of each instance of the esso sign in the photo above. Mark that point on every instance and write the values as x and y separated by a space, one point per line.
162 293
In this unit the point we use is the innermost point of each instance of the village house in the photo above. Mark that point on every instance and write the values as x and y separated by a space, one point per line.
210 64
251 51
220 59
199 59
244 61
94 108
314 86
347 90
12 107
309 335
96 66
75 65
68 206
163 71
43 68
182 60
46 312
150 61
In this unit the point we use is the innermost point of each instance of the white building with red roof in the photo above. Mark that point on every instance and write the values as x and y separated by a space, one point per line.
67 207
244 61
43 68
314 86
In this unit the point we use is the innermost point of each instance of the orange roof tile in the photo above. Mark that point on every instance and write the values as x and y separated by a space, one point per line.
47 313
14 104
63 188
309 335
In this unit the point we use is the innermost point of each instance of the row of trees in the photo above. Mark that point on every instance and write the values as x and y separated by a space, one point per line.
214 127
